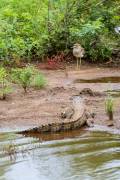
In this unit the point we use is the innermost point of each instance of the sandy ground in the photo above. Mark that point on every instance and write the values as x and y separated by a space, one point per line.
38 107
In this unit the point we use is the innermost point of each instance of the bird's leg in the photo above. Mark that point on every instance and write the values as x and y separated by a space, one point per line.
80 63
77 63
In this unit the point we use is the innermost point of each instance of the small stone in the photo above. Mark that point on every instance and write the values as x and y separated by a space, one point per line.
87 91
110 123
93 115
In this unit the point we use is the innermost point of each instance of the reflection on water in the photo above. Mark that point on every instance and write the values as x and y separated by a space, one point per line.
75 155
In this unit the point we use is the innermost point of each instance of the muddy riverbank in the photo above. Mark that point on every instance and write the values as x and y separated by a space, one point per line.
41 107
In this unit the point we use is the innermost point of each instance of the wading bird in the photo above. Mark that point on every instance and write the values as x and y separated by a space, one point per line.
78 52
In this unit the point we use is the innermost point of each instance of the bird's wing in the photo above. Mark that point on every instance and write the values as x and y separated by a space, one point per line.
76 52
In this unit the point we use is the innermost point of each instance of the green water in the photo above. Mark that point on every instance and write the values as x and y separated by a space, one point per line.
77 155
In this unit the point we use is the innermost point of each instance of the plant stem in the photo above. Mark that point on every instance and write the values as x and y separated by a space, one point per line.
110 116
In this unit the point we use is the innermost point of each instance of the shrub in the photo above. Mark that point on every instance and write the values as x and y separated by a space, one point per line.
28 76
4 84
23 76
109 107
38 81
34 28
98 45
56 61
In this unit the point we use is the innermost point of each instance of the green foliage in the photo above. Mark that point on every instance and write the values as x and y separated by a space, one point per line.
23 76
39 81
34 28
109 107
27 77
21 25
4 84
96 40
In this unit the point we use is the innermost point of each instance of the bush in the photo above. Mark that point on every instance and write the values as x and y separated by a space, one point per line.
28 76
4 84
38 81
97 43
23 76
32 29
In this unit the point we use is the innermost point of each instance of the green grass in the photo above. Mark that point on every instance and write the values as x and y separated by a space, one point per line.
39 81
109 107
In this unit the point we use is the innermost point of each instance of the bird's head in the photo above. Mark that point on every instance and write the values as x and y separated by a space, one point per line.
76 45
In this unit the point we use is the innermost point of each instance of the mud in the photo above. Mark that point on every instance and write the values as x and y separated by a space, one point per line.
41 107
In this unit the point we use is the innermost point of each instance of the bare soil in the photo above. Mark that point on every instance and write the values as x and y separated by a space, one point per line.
40 107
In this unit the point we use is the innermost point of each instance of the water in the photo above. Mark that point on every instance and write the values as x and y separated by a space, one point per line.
109 79
76 155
